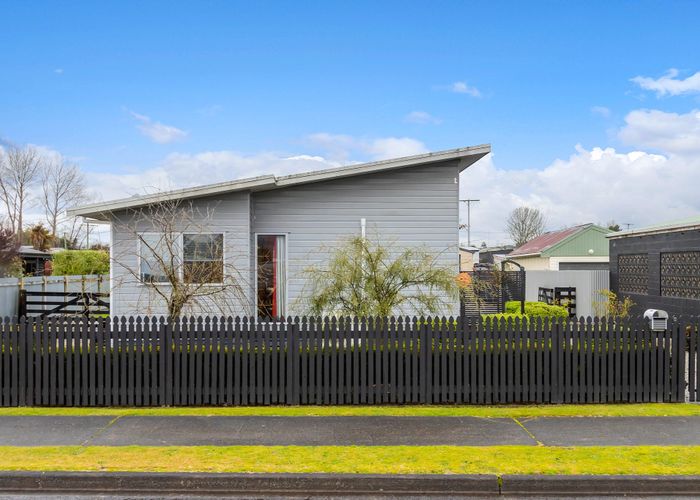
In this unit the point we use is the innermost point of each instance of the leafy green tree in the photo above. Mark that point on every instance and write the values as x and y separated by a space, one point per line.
80 262
363 278
40 237
613 226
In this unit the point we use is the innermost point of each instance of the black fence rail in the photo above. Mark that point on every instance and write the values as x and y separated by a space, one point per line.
46 303
148 362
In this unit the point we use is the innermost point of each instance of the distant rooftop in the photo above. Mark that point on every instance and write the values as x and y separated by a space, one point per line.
541 243
497 248
688 224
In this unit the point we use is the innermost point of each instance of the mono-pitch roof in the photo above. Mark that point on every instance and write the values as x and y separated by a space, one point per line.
466 155
666 227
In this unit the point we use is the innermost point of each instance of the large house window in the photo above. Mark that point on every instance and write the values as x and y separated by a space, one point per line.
680 274
155 255
196 258
203 258
271 276
633 273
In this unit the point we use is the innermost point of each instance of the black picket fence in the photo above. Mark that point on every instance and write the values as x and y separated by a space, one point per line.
225 361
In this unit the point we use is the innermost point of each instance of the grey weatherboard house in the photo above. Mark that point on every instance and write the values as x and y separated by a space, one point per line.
272 228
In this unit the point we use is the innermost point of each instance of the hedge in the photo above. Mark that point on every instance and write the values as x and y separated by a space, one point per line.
80 262
537 310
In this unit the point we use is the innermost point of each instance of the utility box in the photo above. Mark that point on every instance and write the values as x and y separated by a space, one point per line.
658 319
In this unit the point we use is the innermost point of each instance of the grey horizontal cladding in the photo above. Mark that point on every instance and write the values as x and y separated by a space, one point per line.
229 214
408 208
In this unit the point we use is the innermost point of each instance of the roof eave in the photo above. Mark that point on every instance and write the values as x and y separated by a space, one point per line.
536 254
98 211
646 232
466 156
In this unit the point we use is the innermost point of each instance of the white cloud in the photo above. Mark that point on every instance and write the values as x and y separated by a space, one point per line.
422 117
463 88
58 71
669 84
180 170
594 185
673 133
601 111
395 147
341 147
156 131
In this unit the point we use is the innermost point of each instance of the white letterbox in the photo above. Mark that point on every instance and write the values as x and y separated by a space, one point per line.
658 319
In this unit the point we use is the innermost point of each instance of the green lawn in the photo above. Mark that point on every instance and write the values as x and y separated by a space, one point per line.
359 459
511 411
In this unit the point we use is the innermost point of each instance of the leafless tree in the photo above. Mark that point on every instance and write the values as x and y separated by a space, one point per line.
62 186
168 249
19 170
525 223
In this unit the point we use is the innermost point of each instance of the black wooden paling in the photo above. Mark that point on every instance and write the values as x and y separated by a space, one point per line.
75 361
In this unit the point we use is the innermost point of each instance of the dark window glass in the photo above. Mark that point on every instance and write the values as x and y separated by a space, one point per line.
203 258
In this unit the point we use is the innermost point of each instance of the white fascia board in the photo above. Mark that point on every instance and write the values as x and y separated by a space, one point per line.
97 210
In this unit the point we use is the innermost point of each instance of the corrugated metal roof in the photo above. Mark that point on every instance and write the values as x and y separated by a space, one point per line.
538 245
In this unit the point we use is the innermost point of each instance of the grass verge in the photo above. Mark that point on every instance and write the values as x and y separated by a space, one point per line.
510 411
358 459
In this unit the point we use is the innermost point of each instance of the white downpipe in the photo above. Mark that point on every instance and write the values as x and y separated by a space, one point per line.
363 227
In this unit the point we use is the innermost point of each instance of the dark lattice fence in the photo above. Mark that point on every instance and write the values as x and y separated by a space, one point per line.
486 292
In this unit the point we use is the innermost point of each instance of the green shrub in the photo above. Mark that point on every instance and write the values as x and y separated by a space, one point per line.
537 310
79 262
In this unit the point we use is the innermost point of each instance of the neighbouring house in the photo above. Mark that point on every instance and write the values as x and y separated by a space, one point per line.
467 257
658 267
272 228
36 262
581 248
494 255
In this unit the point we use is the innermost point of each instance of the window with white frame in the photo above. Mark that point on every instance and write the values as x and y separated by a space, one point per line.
203 258
156 254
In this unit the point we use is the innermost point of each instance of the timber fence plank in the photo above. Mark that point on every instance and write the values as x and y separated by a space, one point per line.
72 361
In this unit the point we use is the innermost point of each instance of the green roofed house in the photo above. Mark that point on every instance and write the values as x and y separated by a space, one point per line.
577 248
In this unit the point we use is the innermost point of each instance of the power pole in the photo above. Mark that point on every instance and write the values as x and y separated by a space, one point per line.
469 219
628 224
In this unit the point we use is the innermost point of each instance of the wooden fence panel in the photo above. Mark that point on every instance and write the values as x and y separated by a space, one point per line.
226 361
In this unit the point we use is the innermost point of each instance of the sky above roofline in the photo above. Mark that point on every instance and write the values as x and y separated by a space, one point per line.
589 106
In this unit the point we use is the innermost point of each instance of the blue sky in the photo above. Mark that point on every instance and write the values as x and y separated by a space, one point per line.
124 87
